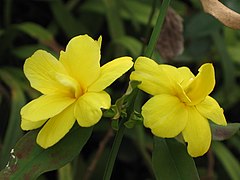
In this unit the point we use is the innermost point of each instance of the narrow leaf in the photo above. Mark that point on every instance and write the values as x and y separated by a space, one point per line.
227 159
28 160
115 24
221 133
171 161
65 19
13 131
131 44
35 30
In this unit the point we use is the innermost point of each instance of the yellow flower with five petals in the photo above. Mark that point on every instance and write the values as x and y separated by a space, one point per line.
72 88
180 102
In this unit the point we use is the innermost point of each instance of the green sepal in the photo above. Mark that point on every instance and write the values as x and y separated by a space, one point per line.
115 124
110 113
134 119
124 102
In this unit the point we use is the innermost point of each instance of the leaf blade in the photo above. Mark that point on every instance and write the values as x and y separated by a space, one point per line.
32 160
173 159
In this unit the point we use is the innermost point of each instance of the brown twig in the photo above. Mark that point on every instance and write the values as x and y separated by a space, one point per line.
225 15
210 166
211 162
98 154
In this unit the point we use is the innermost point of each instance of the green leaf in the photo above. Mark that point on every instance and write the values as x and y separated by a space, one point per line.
65 172
26 51
221 133
65 19
35 31
227 159
171 161
28 160
201 25
115 23
235 142
13 131
131 44
138 11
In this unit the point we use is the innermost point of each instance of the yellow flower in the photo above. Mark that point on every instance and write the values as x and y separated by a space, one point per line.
72 88
180 102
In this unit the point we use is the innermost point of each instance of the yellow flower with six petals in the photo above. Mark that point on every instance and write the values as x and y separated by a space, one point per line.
72 88
180 102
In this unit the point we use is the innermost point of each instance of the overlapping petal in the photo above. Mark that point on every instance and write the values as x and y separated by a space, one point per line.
110 72
210 109
73 88
41 69
45 107
82 59
88 107
153 77
197 133
187 76
165 115
56 128
202 85
29 125
171 73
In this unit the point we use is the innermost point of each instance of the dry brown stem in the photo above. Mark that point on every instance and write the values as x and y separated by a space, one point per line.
225 15
98 154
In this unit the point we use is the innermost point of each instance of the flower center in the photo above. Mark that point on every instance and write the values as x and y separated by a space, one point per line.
180 93
70 86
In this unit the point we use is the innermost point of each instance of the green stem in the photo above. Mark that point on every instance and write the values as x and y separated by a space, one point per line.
114 151
157 28
148 53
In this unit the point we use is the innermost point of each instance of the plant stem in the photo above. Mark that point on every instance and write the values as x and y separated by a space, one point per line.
157 29
114 151
148 53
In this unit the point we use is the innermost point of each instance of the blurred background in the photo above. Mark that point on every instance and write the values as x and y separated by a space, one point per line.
189 38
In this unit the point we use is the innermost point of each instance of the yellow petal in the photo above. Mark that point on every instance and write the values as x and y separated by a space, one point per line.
165 115
99 41
41 69
72 87
110 72
45 107
171 73
29 125
210 109
56 128
180 93
202 85
82 59
154 79
187 76
88 108
197 133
